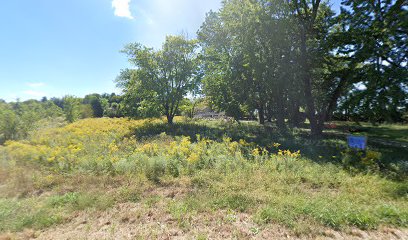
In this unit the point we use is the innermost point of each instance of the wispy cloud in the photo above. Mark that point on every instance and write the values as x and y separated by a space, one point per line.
33 93
158 18
122 8
148 18
36 85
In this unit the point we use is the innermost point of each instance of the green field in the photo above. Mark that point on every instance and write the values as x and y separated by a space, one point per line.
196 173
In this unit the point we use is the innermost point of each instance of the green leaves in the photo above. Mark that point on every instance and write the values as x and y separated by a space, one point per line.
161 77
375 38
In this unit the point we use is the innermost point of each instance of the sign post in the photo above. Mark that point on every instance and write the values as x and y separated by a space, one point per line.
357 142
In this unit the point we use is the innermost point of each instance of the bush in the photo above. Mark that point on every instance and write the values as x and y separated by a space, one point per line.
155 168
357 160
398 170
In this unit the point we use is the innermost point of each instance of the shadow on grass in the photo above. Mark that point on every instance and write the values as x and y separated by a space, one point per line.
392 150
327 149
210 130
263 136
396 133
388 133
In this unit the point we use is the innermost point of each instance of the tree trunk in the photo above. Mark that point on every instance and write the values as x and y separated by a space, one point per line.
269 112
280 121
170 119
311 110
261 112
280 113
307 18
335 97
295 117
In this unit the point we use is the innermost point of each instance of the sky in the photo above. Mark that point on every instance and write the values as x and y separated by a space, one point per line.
56 48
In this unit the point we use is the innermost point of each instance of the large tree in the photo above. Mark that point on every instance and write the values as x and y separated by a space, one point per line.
220 66
246 47
274 56
323 74
375 39
162 77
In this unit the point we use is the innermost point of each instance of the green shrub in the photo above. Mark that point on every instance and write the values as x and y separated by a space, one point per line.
60 201
358 160
398 170
155 168
17 215
173 168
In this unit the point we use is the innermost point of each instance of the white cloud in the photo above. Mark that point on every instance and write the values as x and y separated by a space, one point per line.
36 85
34 93
122 8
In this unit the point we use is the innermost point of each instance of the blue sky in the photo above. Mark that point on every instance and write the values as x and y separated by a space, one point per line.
54 48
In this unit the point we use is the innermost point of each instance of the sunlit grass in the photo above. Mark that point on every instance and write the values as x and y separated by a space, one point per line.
94 164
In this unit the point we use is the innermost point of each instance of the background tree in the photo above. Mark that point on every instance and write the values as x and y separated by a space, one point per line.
190 106
306 13
71 108
19 119
94 100
9 123
248 48
114 105
163 77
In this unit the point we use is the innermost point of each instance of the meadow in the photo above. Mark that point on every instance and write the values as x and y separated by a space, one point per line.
199 173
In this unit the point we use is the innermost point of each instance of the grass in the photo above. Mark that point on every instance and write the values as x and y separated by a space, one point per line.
314 194
42 212
234 169
394 132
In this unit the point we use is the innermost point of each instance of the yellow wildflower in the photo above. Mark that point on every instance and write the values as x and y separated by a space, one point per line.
193 158
255 152
276 145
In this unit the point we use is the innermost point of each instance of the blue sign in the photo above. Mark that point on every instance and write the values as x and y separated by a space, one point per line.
359 142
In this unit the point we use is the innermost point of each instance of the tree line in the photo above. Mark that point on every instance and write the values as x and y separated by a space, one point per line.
282 61
18 119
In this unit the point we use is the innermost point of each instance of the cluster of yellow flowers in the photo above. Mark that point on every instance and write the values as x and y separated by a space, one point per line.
108 139
276 145
69 143
151 149
260 152
113 148
289 153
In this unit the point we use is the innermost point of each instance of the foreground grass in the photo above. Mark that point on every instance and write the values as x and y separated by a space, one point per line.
94 164
42 212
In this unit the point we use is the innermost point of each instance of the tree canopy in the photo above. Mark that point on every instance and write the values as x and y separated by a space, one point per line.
161 78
